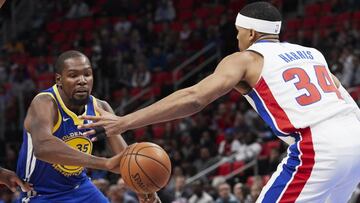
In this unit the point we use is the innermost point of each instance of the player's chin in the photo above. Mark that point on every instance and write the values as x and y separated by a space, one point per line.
80 99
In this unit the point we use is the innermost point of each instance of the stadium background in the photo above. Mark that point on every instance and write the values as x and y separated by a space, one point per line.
143 50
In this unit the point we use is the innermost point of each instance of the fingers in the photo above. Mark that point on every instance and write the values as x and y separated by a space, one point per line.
92 118
100 110
25 187
89 125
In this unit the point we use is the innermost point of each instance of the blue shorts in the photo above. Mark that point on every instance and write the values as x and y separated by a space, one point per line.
86 192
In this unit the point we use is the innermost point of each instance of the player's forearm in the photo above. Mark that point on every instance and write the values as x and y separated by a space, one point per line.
179 104
57 152
117 144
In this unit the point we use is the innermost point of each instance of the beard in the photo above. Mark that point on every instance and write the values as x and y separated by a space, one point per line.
80 102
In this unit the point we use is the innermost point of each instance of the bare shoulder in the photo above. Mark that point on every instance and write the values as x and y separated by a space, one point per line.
42 108
242 59
104 105
43 101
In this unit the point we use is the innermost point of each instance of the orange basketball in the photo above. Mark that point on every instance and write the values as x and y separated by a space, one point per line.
145 167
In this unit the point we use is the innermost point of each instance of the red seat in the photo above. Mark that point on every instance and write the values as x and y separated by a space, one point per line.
310 22
59 37
100 22
236 5
326 8
202 13
53 27
356 16
139 133
158 130
250 181
184 4
235 96
185 15
86 24
293 24
224 169
218 10
343 17
326 21
313 9
45 80
238 164
70 25
158 27
176 26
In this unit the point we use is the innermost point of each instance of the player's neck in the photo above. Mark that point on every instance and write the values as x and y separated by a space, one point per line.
269 38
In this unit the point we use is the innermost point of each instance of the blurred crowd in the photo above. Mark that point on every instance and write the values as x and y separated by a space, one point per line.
129 51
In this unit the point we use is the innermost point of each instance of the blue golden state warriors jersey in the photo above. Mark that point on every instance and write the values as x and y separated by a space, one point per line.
54 178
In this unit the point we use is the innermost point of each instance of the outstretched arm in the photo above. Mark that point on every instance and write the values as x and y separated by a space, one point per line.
39 122
117 143
181 103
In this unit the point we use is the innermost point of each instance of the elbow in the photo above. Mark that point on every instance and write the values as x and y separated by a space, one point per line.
196 102
41 151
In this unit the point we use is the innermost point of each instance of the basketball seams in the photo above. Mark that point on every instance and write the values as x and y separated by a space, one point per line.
135 186
167 170
142 170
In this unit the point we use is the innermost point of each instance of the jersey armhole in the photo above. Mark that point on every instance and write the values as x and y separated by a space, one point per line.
262 68
58 122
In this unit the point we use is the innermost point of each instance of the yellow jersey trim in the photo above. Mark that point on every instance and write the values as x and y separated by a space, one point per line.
95 104
74 117
58 122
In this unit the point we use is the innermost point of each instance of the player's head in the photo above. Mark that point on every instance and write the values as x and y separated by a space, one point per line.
255 21
74 76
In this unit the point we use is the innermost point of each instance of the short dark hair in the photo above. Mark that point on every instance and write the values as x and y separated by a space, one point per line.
59 64
261 10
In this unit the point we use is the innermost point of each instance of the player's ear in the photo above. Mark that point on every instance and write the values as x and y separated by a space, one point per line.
252 35
58 80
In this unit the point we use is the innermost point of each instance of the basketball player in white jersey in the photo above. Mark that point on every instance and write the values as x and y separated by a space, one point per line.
292 89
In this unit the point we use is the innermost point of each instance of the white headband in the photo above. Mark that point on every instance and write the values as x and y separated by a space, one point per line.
264 26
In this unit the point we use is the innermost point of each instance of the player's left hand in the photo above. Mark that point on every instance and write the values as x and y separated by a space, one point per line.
105 124
149 198
10 179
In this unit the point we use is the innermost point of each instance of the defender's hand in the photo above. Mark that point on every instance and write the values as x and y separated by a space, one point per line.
106 124
11 180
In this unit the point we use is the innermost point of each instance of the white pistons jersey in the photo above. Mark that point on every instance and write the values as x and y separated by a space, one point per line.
295 89
297 97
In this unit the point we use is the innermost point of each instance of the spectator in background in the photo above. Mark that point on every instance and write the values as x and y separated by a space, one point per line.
205 160
225 195
78 9
180 193
102 184
254 193
165 11
123 25
274 160
229 145
240 192
200 195
185 32
141 77
157 61
116 194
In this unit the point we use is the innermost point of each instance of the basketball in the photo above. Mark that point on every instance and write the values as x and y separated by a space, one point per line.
145 167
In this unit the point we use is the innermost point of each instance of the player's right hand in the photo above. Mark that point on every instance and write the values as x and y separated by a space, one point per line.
10 179
149 198
113 164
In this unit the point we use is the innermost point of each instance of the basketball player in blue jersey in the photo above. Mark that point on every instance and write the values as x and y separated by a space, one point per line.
54 154
292 89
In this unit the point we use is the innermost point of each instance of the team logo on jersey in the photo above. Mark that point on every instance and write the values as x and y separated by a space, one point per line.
82 144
